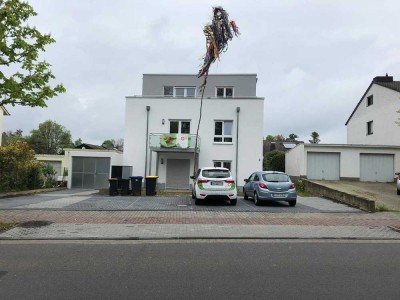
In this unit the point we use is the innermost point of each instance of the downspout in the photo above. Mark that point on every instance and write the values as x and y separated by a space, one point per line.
147 141
237 143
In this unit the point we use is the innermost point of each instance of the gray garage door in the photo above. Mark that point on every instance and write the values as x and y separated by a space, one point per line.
377 167
178 173
323 166
90 172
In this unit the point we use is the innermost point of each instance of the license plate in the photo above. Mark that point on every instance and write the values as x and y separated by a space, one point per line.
280 195
216 183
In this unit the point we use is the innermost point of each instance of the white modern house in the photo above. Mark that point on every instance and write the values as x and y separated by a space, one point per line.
373 120
161 126
3 112
372 152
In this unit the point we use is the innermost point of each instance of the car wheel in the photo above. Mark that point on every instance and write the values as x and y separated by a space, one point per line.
197 201
256 200
398 192
193 197
233 201
245 197
292 203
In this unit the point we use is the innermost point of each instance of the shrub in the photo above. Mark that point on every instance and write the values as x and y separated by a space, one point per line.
275 161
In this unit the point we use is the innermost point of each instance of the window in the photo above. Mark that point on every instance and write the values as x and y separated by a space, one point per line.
370 100
179 127
370 129
170 91
225 92
222 164
223 131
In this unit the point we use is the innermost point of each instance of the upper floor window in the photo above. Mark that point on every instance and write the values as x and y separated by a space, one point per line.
176 126
223 131
370 129
370 100
171 91
224 92
222 164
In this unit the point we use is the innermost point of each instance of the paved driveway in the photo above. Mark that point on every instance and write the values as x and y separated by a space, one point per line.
86 200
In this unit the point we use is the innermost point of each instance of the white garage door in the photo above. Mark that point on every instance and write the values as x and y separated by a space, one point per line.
323 166
178 173
377 167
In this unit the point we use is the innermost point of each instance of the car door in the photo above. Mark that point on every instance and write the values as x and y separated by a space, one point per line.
248 186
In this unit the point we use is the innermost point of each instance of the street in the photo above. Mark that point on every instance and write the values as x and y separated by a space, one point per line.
202 269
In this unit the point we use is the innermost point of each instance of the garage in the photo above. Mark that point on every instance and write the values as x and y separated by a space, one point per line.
178 173
323 166
376 167
90 172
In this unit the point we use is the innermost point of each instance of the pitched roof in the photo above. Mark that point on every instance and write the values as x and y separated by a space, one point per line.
386 82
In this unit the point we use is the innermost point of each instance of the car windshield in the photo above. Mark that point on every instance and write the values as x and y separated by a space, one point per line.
215 173
276 177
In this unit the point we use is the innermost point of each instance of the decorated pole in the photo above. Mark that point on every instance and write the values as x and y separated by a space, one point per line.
217 33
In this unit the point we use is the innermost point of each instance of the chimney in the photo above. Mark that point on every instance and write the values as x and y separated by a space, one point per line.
383 78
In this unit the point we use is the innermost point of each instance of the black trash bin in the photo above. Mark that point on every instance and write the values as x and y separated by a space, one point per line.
113 189
124 185
136 183
151 182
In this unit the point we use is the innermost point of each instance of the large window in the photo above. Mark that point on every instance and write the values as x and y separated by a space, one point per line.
176 126
222 164
170 91
370 128
224 92
223 131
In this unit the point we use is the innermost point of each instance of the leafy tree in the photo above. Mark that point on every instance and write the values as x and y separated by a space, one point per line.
270 138
275 161
292 137
114 144
10 137
24 80
314 138
50 138
78 142
19 170
275 138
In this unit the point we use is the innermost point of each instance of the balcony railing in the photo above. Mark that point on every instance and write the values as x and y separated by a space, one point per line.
173 142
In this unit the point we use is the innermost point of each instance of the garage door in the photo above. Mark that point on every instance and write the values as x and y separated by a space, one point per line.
377 167
178 173
56 167
90 172
323 166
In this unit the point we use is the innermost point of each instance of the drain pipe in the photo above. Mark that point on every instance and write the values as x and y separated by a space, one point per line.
237 143
147 141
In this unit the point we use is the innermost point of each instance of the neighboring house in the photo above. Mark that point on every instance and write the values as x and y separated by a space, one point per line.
3 112
372 152
373 120
161 125
58 162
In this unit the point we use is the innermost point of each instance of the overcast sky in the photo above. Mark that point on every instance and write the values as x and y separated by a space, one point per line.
314 59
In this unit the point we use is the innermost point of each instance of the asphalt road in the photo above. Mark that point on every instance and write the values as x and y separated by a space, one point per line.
200 270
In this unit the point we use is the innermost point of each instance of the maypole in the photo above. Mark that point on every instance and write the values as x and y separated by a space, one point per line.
218 33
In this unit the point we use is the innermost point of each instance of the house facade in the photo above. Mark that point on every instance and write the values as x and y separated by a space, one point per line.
373 121
161 125
372 152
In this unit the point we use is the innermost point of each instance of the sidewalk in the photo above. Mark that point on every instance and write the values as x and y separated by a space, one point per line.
201 225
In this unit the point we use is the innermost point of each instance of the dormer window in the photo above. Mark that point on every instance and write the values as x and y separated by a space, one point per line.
224 92
370 100
171 91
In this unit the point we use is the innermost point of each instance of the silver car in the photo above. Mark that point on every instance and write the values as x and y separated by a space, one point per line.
270 186
398 183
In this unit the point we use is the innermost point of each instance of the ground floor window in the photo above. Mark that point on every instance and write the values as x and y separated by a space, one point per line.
222 164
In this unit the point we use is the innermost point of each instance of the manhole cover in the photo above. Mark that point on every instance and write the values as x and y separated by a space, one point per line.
32 224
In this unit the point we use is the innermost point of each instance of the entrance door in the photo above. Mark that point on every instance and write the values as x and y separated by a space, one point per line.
178 173
90 172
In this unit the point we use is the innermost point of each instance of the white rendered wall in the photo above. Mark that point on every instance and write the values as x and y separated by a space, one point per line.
383 114
250 131
294 161
1 123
